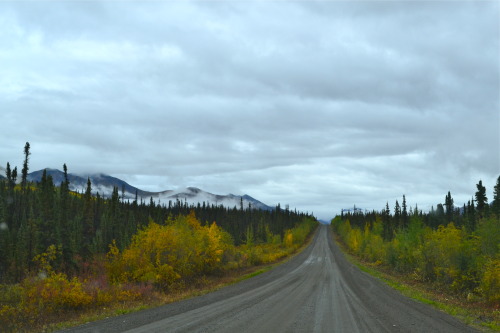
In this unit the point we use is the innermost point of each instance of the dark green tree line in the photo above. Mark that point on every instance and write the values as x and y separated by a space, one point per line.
34 216
467 216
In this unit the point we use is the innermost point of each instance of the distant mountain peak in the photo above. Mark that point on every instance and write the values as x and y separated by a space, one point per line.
104 185
193 189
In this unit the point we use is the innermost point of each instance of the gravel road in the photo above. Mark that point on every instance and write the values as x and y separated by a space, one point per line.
316 291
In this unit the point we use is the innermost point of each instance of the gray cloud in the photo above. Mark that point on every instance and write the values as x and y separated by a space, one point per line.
319 105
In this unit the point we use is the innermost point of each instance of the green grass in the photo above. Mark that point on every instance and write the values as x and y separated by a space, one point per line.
253 274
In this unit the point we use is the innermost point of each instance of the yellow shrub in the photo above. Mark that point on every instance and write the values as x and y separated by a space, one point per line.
373 247
45 260
288 239
354 240
165 255
296 236
441 253
490 282
54 293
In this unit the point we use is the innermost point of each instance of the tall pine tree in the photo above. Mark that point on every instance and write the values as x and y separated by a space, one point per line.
481 200
24 174
448 202
388 229
471 216
397 215
404 213
88 219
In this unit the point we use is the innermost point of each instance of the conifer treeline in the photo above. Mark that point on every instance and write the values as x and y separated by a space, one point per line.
34 216
466 216
458 248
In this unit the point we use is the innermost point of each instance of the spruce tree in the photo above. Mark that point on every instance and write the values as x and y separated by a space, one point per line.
24 174
448 202
66 179
471 216
404 213
440 215
397 215
88 219
49 227
64 223
481 200
8 173
388 230
14 176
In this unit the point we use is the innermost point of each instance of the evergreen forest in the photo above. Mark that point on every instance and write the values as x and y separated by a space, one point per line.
454 248
66 251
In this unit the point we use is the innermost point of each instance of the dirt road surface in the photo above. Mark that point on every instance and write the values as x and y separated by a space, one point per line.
316 291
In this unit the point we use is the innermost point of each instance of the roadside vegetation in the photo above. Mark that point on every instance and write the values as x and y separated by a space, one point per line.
66 256
453 251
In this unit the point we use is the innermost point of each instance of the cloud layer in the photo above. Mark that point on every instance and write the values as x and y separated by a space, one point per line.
320 105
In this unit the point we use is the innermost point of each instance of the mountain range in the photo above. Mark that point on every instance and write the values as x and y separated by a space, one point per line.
104 184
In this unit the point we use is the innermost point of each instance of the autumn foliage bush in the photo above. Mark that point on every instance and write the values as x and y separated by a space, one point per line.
159 258
183 249
467 263
166 254
49 294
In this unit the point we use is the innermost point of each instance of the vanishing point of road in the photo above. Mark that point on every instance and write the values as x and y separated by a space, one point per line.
316 291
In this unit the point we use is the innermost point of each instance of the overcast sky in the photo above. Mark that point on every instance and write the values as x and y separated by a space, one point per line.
317 104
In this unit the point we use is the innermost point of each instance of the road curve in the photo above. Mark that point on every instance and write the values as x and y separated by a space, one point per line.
316 291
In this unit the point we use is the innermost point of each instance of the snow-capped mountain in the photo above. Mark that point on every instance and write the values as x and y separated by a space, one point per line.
193 196
104 184
100 183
